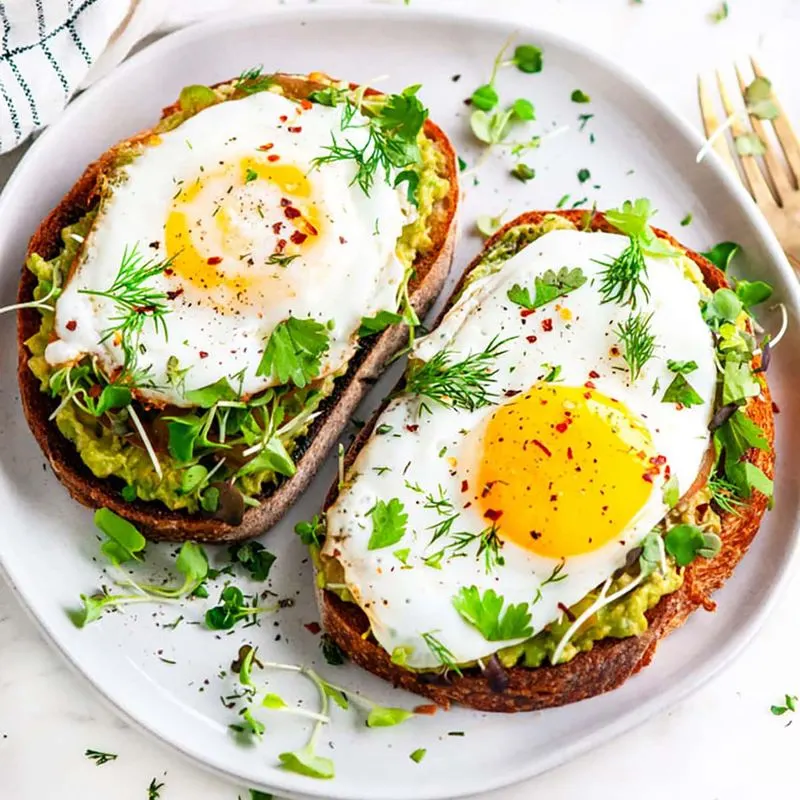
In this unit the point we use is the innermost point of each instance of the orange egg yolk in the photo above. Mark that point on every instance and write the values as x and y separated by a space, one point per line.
218 220
564 470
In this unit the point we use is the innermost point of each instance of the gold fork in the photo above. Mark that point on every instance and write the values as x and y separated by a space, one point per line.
772 183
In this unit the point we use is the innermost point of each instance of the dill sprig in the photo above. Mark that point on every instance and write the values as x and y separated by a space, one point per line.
461 384
623 277
637 341
441 652
724 494
253 80
488 541
135 302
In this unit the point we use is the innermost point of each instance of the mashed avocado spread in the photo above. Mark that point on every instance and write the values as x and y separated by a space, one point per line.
625 616
113 451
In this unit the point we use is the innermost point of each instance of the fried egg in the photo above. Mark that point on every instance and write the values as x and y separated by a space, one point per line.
568 462
250 232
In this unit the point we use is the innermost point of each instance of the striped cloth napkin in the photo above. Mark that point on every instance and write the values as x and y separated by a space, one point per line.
52 48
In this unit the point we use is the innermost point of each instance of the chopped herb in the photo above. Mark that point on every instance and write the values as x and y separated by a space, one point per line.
382 320
687 220
584 175
333 654
686 542
99 757
720 13
232 609
563 201
254 557
418 755
583 119
523 172
789 704
154 790
250 175
462 165
580 97
440 652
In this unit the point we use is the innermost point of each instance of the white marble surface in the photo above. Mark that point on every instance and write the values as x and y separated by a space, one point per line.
723 742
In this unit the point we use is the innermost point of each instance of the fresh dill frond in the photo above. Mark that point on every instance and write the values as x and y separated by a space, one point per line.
625 276
441 652
441 503
724 495
135 302
488 541
637 341
461 384
442 528
253 80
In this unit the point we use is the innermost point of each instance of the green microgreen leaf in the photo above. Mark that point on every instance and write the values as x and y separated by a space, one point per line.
254 557
380 717
125 543
523 110
411 178
579 96
382 320
312 532
686 542
721 254
485 97
306 762
682 392
208 396
528 58
522 172
751 293
418 755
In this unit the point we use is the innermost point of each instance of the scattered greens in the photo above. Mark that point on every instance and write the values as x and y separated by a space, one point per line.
584 175
547 287
522 172
124 545
789 704
254 557
580 97
418 755
154 790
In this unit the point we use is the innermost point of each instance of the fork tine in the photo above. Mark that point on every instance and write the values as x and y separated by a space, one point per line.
755 180
783 130
711 123
775 169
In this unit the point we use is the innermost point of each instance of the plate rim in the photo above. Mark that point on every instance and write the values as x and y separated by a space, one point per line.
294 786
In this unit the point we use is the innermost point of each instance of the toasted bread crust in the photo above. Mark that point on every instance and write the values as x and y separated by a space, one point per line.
611 661
154 519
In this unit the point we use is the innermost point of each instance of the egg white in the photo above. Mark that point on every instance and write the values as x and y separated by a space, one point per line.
441 448
351 271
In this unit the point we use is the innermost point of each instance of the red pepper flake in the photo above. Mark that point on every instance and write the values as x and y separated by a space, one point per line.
468 504
298 238
291 212
273 158
614 350
95 390
215 260
276 227
264 147
667 472
203 354
589 385
526 312
587 395
492 514
567 613
294 129
594 374
553 498
285 201
512 392
177 293
280 245
169 271
429 709
569 453
542 447
464 486
342 240
71 325
306 104
547 325
660 460
701 509
412 428
312 627
312 231
775 409
283 118
562 427
647 477
531 339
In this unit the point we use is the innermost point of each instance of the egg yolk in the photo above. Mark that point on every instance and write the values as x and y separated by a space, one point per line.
564 470
232 227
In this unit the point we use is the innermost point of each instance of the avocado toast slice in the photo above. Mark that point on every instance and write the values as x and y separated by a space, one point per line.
599 662
54 243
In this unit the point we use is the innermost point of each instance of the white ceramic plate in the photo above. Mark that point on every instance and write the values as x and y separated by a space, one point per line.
47 544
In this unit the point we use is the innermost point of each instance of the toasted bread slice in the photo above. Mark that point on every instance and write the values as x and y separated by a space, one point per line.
611 661
154 519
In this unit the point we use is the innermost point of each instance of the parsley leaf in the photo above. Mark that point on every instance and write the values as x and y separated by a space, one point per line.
528 58
547 287
738 382
486 614
388 524
294 350
680 390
